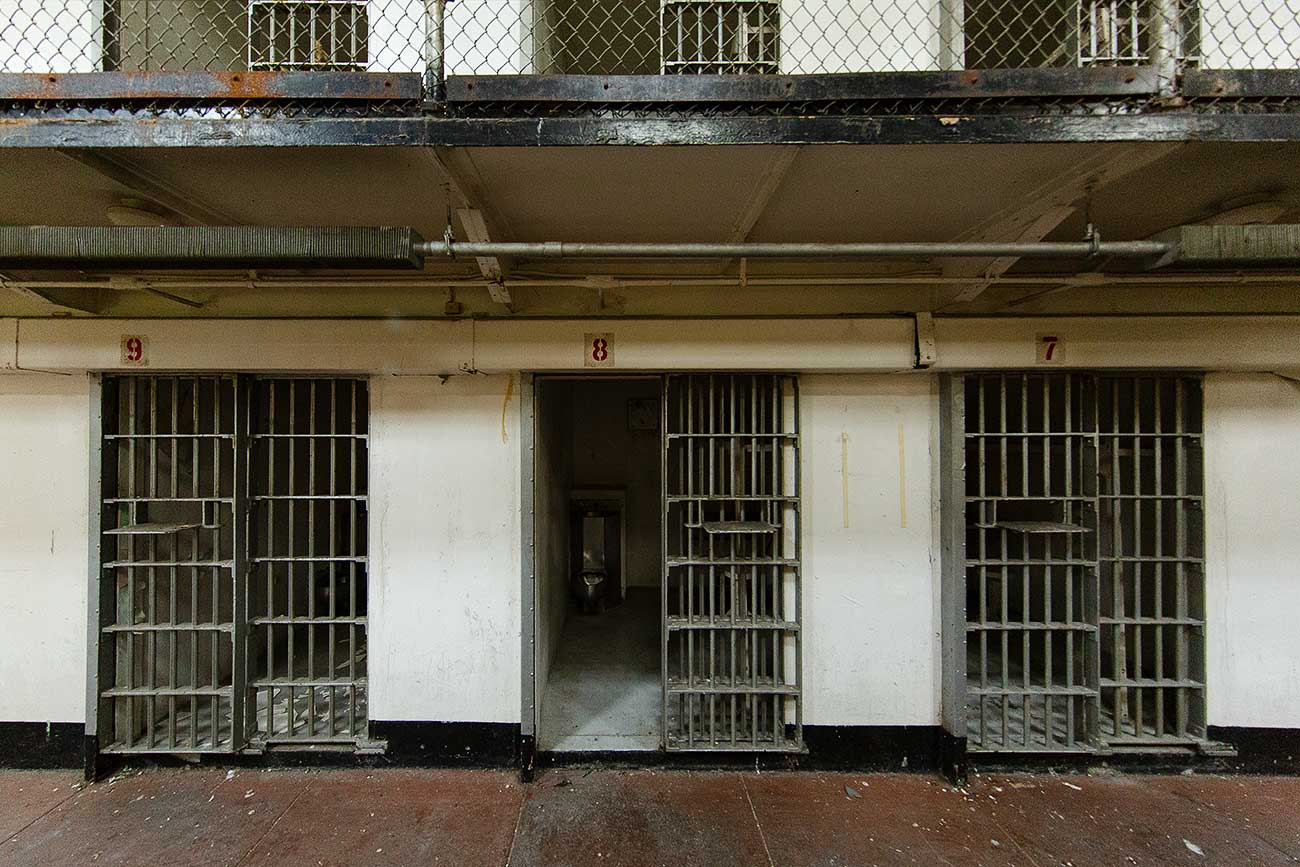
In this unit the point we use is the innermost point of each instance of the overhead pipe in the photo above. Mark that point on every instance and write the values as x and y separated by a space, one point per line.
450 248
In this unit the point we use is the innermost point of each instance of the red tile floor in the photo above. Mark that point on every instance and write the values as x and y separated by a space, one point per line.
616 817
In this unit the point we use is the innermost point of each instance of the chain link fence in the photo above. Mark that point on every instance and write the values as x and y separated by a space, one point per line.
614 37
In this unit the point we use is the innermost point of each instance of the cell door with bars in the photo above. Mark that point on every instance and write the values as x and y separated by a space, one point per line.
232 589
171 586
1084 571
731 593
307 567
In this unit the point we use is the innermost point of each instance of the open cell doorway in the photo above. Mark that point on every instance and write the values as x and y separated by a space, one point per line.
599 563
666 563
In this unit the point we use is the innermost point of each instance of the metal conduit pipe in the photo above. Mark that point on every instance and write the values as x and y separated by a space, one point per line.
581 250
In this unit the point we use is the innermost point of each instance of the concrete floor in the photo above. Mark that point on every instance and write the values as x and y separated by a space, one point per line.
604 692
604 817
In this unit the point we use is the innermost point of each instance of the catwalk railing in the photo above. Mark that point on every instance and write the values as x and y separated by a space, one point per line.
440 38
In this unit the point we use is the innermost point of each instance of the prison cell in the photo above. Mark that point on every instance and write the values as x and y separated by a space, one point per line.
731 594
170 590
1084 578
307 588
233 588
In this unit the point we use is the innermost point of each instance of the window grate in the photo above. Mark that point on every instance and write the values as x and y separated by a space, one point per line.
307 34
1084 577
721 37
731 603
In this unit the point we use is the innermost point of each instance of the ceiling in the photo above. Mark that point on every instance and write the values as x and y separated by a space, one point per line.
826 193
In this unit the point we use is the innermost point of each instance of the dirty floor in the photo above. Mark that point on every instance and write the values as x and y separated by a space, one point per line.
612 817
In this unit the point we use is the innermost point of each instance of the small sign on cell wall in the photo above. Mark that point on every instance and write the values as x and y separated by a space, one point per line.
598 350
134 351
1049 349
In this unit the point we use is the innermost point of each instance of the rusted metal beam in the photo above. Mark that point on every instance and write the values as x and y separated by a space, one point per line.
1199 83
114 86
968 84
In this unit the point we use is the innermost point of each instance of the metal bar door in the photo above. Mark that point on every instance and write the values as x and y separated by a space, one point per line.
731 642
1084 569
308 563
172 577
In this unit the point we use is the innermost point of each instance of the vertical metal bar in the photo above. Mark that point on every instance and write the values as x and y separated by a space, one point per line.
1135 668
435 77
666 444
528 545
271 446
134 515
291 566
1026 659
150 638
358 389
1165 30
332 552
171 570
1180 552
1158 566
310 567
239 707
1048 618
1074 551
1004 492
1119 646
983 567
98 602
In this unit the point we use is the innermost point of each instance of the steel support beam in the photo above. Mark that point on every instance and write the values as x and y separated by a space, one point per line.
1035 214
137 179
464 186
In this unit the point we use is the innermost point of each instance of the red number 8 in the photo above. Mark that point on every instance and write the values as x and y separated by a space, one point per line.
599 349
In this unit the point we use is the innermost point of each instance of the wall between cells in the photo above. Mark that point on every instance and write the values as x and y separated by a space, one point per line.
44 550
1252 437
871 593
445 548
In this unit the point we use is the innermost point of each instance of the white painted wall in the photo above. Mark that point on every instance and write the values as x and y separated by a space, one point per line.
51 35
444 548
1252 510
44 550
445 517
871 592
483 37
1256 34
860 35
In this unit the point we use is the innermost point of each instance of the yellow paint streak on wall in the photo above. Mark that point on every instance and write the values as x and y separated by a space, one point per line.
844 473
505 404
902 479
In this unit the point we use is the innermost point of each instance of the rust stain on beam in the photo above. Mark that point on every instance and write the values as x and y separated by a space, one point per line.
210 85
